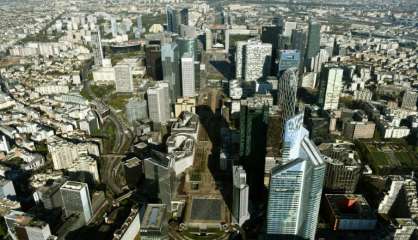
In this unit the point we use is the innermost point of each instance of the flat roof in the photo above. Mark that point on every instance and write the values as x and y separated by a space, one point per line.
205 209
154 216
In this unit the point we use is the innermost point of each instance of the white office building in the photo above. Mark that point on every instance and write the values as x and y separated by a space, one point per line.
76 200
330 87
159 102
188 75
296 187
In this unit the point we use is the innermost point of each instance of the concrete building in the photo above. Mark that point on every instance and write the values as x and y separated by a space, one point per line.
343 167
123 78
21 225
257 60
96 43
136 109
158 102
130 229
7 190
330 88
359 130
349 212
239 59
185 105
76 200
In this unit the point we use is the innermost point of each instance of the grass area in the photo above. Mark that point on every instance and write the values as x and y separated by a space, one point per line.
393 157
107 133
118 101
102 91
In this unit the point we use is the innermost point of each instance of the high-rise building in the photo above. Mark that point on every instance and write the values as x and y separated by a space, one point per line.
171 19
270 34
208 39
274 140
240 195
313 43
257 60
170 57
158 102
160 177
76 200
136 109
139 27
239 59
330 87
188 76
22 226
153 61
288 59
123 77
175 18
253 128
114 26
289 27
287 90
96 43
296 188
343 167
184 16
298 42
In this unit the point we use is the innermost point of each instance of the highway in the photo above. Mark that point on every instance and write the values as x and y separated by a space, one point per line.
111 167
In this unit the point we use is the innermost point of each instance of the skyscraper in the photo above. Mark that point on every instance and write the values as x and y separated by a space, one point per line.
257 60
240 195
330 87
296 188
208 39
313 43
171 19
239 59
175 18
114 26
76 200
153 61
287 90
270 34
97 48
288 59
158 102
160 177
188 75
123 77
170 58
139 29
298 42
